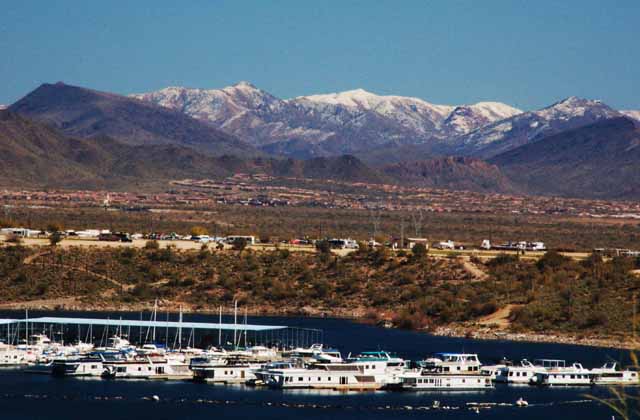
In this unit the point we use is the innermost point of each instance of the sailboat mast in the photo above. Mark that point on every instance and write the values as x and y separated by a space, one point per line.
220 328
180 329
155 315
235 323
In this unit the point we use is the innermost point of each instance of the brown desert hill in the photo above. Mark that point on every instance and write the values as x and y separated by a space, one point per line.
454 173
601 160
35 154
85 113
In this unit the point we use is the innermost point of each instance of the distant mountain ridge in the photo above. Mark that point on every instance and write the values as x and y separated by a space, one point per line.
521 129
327 124
601 160
574 147
86 113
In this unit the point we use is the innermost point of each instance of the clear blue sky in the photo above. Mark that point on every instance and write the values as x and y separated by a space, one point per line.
525 53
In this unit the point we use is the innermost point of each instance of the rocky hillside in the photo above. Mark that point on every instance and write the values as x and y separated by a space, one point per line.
601 160
35 154
86 113
454 173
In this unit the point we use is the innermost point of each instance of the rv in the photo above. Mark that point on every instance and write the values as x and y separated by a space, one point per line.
249 240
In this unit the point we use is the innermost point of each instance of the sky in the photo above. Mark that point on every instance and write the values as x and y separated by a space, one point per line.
528 54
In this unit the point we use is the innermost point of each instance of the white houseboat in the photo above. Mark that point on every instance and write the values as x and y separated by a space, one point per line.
78 366
339 376
418 380
525 371
574 375
145 368
610 375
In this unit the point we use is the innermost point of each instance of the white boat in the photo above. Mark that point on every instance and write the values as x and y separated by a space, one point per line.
150 349
610 375
303 352
422 379
340 376
145 368
78 366
12 356
256 353
524 372
328 356
118 344
264 371
383 367
492 371
216 370
574 375
452 363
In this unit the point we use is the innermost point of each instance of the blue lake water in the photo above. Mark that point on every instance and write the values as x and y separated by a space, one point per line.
25 396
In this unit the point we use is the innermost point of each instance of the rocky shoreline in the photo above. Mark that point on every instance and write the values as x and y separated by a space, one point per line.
617 342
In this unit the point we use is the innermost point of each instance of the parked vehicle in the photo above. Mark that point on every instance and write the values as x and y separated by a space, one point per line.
115 237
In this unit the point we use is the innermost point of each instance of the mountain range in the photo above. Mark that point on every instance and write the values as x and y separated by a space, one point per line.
109 139
379 129
325 125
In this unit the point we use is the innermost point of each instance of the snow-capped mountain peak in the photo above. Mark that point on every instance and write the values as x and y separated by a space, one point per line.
506 134
364 100
631 114
573 107
356 120
466 118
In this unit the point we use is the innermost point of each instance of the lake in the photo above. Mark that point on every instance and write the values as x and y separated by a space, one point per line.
25 396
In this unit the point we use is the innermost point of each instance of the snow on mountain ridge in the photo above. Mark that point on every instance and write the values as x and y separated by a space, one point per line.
466 118
526 127
214 105
632 114
356 120
362 99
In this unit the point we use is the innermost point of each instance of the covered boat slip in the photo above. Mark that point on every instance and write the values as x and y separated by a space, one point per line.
154 330
150 324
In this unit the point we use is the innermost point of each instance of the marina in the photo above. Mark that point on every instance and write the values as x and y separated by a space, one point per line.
80 391
274 356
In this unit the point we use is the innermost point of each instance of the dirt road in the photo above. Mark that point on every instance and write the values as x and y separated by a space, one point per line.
191 245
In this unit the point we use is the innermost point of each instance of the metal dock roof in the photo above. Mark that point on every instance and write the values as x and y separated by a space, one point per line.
145 324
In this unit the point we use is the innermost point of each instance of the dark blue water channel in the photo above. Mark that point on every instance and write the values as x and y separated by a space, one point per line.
24 396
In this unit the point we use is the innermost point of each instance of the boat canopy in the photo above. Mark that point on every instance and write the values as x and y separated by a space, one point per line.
143 324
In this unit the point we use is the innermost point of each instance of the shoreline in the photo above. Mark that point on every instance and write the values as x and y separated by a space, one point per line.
555 337
474 332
